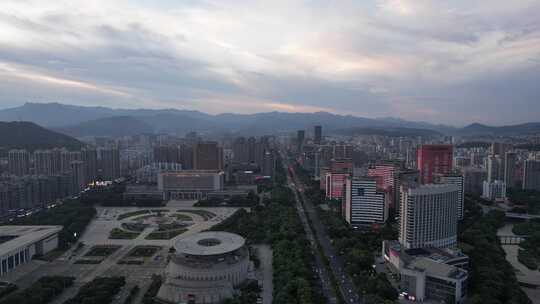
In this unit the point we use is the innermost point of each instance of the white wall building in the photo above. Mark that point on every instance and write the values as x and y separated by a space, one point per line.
458 180
363 203
429 215
494 191
19 244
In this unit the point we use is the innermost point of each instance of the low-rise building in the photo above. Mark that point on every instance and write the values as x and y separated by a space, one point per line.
434 274
19 244
190 184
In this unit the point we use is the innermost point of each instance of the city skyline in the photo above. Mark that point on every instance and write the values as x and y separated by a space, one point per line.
453 64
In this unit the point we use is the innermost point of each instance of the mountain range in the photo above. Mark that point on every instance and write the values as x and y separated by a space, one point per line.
82 121
30 136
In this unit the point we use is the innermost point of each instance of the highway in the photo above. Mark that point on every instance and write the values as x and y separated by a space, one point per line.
346 286
324 276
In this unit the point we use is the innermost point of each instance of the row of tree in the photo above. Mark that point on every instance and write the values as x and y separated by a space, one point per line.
491 277
278 224
100 290
72 215
41 292
358 249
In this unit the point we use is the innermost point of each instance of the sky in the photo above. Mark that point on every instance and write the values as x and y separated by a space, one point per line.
452 62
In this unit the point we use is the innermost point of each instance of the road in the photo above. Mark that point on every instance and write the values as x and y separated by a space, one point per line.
346 286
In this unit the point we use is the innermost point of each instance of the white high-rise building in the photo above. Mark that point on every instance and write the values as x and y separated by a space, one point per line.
363 203
495 190
458 180
429 215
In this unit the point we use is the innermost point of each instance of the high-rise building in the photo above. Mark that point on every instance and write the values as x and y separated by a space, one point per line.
335 185
510 168
364 204
428 216
495 168
66 157
78 176
494 191
208 156
240 150
44 162
300 138
268 165
90 160
109 160
317 138
498 148
433 159
531 175
386 176
19 162
405 177
167 154
474 180
458 180
343 151
186 157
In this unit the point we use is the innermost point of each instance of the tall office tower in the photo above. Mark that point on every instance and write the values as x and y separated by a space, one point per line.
300 138
364 204
252 144
317 138
167 154
186 157
458 180
109 163
240 150
385 175
494 168
268 165
474 179
44 162
78 176
428 215
531 175
335 185
432 159
343 151
208 156
404 177
90 160
510 167
19 162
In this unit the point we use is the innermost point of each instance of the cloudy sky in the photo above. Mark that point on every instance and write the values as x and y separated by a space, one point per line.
419 60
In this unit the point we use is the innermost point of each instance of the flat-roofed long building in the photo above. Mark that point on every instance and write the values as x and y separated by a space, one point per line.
19 244
190 184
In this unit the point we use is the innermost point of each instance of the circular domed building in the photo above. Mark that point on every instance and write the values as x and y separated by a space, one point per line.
205 269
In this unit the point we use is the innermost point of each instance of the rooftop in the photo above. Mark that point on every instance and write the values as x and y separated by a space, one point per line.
209 243
15 237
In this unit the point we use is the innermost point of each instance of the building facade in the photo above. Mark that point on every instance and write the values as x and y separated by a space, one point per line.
364 204
428 216
433 159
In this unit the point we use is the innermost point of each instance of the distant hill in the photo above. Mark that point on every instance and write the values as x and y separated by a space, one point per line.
480 129
30 136
103 121
116 126
391 132
62 116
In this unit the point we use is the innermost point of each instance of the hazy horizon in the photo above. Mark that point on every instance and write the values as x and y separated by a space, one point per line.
441 63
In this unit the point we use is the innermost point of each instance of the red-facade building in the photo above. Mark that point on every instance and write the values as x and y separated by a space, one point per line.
434 159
